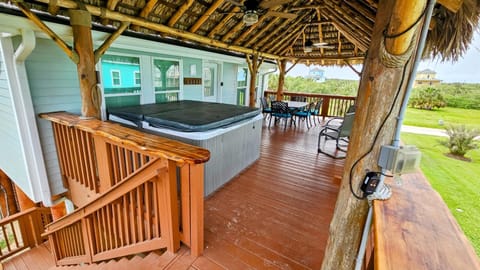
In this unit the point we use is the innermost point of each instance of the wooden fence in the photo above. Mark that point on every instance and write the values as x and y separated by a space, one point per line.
23 230
141 192
332 105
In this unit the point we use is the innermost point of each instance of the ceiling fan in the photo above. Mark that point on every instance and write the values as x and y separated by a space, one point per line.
252 8
308 45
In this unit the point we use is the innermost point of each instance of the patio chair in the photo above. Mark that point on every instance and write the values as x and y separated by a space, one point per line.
339 132
266 110
305 114
317 110
280 110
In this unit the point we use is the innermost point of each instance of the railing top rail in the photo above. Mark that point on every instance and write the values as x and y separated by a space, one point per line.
154 145
415 230
311 95
16 216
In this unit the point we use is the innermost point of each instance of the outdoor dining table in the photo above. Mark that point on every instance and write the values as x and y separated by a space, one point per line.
296 105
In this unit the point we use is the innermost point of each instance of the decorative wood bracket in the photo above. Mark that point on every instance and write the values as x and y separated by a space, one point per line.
62 44
353 68
106 44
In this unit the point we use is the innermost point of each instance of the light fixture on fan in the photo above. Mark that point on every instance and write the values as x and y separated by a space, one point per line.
250 17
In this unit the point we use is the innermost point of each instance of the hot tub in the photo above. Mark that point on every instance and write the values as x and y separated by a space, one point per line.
231 133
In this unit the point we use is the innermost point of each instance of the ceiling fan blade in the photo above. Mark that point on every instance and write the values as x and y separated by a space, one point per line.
281 14
324 46
318 44
273 3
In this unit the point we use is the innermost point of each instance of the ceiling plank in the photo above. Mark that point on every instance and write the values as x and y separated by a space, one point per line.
261 32
179 13
205 16
222 23
117 16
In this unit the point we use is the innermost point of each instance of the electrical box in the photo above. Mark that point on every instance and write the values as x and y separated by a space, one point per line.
399 160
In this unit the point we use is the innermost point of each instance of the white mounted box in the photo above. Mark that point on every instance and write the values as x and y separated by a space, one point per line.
399 160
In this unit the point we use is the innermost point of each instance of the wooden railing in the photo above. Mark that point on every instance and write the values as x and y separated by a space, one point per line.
332 105
415 230
23 230
149 191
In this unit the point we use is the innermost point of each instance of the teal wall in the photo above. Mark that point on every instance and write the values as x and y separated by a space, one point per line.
55 88
12 161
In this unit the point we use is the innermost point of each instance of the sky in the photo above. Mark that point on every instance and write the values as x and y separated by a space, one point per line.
466 70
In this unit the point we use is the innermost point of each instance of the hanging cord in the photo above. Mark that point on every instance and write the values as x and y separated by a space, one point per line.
397 94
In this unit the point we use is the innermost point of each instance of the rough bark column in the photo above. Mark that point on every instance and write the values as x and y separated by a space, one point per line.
253 66
282 66
377 91
83 44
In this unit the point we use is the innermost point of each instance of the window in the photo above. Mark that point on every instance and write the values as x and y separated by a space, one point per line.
136 78
118 90
241 85
166 80
116 78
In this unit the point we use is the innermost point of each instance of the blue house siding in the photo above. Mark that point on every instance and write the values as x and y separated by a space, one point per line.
55 88
12 161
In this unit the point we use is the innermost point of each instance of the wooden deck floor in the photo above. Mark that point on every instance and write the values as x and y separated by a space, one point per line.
274 215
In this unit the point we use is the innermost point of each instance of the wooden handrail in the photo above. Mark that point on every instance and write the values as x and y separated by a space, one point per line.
332 105
136 192
23 230
148 143
415 230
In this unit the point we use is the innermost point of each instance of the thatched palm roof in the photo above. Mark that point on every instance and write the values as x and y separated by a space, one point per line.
282 29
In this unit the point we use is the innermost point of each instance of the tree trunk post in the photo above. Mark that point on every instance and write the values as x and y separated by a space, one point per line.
253 66
282 66
80 21
378 88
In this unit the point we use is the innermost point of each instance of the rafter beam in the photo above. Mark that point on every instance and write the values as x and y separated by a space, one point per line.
111 5
291 30
147 9
62 44
350 16
117 16
320 30
53 8
205 16
290 43
108 42
173 20
261 32
269 36
327 58
452 5
287 39
222 23
367 13
232 31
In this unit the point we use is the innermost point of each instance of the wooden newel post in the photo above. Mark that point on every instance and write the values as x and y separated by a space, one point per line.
83 45
282 66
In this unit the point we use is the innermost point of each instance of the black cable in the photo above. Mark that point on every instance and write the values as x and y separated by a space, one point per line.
385 35
402 80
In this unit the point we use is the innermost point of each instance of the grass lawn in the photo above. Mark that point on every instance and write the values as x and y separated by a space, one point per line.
457 182
425 118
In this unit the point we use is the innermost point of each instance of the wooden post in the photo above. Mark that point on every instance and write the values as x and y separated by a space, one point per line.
282 66
10 202
253 65
83 44
196 208
376 95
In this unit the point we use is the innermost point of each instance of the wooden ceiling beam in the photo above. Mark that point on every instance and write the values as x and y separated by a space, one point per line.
246 32
367 13
355 35
111 5
287 40
290 43
173 20
327 58
205 16
261 32
272 33
320 30
288 31
232 31
350 17
53 8
223 22
117 16
146 10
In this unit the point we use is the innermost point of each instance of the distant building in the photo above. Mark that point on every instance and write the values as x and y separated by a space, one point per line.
316 74
426 77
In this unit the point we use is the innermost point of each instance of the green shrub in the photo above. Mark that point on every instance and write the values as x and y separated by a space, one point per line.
427 99
461 140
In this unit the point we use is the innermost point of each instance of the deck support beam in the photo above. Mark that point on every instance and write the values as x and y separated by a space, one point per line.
378 103
282 66
80 21
253 66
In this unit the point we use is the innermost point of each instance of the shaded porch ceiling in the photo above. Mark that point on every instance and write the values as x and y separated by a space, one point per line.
283 29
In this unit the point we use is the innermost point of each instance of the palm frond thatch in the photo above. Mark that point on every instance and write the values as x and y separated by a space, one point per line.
453 32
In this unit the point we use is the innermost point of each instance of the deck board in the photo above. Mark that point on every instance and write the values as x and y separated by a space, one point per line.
274 215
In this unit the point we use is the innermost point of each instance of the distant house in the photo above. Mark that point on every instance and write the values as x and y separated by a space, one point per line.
316 74
426 77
